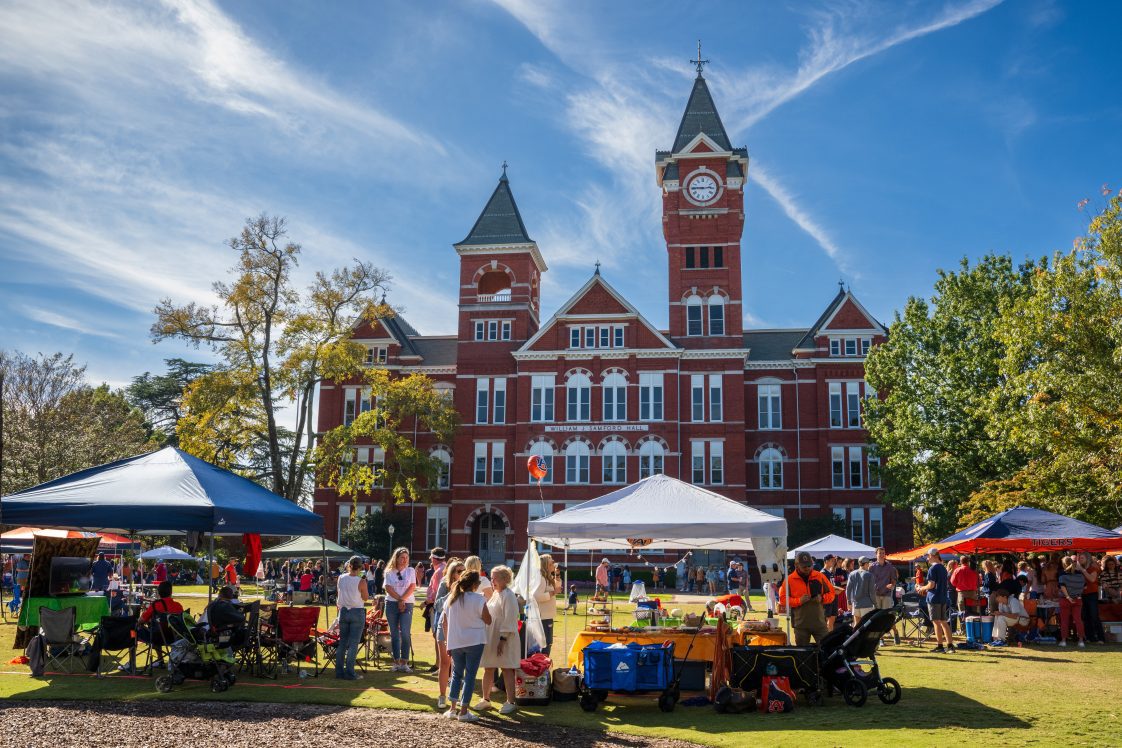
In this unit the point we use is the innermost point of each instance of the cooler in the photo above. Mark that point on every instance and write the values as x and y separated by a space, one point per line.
986 626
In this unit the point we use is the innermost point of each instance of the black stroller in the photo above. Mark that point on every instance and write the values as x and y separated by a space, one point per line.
848 660
201 655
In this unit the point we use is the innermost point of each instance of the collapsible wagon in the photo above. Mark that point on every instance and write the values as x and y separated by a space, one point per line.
632 668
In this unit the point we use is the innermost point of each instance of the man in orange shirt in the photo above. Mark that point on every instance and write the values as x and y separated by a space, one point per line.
231 573
809 592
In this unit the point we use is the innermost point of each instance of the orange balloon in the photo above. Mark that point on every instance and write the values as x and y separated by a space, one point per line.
537 468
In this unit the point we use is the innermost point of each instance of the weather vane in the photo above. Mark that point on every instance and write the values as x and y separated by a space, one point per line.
598 267
504 167
699 63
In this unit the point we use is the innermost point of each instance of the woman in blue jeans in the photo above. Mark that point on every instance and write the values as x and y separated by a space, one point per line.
465 620
400 582
352 618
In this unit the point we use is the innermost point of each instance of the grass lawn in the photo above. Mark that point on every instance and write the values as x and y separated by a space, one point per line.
1032 696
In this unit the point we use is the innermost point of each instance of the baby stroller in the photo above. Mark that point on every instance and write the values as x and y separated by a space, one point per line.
848 660
201 655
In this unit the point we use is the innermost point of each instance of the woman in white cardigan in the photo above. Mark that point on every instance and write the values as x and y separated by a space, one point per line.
546 598
502 650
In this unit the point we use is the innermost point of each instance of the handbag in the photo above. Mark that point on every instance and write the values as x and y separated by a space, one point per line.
776 695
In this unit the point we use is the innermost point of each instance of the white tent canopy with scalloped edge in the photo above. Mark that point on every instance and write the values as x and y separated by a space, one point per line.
834 545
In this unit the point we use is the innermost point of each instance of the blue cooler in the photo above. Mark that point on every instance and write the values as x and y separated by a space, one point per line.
973 628
986 625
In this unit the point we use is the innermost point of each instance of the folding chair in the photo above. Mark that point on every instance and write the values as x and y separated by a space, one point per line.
115 640
916 623
295 639
375 639
63 645
249 655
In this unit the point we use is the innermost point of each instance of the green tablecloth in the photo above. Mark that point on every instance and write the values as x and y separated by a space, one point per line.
87 610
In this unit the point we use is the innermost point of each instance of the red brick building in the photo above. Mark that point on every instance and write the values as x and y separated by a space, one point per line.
769 417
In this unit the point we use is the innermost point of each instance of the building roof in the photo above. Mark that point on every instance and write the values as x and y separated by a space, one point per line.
403 332
701 117
772 345
807 342
437 350
500 222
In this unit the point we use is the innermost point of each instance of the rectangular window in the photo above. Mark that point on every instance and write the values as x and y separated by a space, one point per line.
541 398
697 397
482 385
697 450
618 333
770 406
718 257
693 317
590 337
841 515
365 400
480 327
576 468
500 401
506 329
498 464
855 467
368 358
650 396
837 462
857 525
716 399
874 470
615 468
865 346
835 405
436 526
444 477
481 463
853 404
876 526
716 319
383 355
691 260
835 347
716 462
704 253
377 457
851 346
492 329
574 337
615 403
350 403
605 337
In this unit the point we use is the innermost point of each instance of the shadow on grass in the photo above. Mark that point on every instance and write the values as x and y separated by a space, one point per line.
997 657
921 708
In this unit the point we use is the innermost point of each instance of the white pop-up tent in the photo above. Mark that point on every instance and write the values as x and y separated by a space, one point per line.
834 545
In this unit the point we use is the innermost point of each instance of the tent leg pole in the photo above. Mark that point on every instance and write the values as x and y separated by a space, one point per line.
565 592
326 574
210 582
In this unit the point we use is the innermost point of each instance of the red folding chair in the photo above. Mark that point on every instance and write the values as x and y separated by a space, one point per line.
295 639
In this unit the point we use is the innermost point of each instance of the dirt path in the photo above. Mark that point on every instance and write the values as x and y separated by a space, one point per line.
241 725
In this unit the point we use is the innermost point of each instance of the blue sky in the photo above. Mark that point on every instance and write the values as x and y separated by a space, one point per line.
886 140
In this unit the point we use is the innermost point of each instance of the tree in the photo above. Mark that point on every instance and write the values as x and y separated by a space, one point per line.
1061 399
276 345
407 471
160 396
940 376
55 424
369 534
813 528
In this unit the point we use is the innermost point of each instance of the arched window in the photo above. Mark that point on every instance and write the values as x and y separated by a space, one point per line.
614 456
651 458
716 314
771 469
693 315
615 397
545 451
444 478
576 462
578 398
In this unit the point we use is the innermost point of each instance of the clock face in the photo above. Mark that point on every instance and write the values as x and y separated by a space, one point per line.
703 188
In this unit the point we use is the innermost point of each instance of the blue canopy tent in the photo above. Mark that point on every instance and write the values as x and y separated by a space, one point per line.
163 491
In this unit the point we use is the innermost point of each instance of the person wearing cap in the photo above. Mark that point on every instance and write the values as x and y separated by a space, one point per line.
804 594
859 589
936 585
437 557
602 576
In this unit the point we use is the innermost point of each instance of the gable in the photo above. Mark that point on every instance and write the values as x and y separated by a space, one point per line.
597 300
373 330
849 316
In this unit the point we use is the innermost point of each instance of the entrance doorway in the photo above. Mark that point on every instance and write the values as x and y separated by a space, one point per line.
491 544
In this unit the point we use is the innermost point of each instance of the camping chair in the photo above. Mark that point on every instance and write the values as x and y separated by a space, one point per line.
63 645
916 622
115 640
295 638
249 654
154 640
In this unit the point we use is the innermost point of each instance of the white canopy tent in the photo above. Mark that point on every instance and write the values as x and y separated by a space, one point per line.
834 545
167 553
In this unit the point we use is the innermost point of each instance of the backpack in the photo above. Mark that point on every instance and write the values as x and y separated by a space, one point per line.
776 695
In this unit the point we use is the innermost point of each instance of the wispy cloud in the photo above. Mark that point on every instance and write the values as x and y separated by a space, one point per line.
65 322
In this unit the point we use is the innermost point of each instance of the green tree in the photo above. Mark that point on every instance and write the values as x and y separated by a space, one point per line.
160 396
369 534
276 344
55 424
813 528
939 375
1062 376
408 472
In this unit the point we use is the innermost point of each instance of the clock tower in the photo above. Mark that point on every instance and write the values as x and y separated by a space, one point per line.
702 179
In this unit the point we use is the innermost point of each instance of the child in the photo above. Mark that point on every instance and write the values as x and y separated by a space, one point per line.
572 600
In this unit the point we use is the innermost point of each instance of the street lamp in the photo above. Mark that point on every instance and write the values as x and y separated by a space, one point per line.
390 530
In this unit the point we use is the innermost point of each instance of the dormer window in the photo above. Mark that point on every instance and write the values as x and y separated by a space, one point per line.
850 347
375 355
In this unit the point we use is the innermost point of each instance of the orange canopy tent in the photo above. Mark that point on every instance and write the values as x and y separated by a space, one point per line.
23 538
